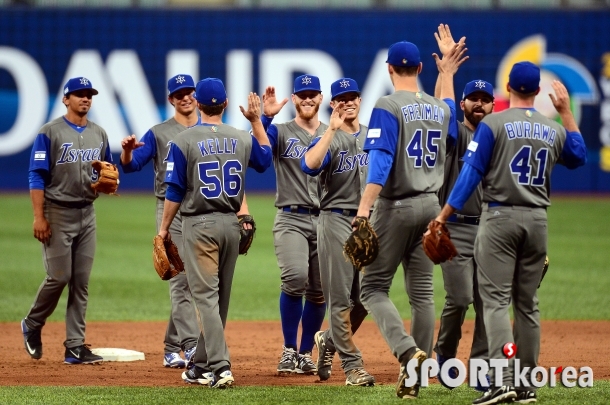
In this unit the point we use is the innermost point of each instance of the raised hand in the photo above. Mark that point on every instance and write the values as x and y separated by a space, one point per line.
444 39
254 108
338 116
270 105
130 143
451 62
561 99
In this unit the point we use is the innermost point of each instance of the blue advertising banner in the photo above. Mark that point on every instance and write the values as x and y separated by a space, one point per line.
129 54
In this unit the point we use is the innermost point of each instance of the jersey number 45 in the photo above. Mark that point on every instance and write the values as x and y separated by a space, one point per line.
415 148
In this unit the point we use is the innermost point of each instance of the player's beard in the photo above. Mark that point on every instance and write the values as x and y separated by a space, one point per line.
475 119
307 115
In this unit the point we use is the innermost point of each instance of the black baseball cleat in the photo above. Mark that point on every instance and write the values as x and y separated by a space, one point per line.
494 395
526 397
32 341
81 355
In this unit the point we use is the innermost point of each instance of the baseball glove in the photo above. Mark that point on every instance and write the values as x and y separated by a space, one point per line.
544 270
437 244
107 179
362 246
246 236
166 259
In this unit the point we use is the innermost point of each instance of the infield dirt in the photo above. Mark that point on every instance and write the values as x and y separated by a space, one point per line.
255 348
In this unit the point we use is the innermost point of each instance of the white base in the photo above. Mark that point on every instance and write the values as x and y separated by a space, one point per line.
114 354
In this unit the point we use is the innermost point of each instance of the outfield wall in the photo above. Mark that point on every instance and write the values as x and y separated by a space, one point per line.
129 54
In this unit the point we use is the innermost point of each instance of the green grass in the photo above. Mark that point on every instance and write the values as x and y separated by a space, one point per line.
124 285
435 394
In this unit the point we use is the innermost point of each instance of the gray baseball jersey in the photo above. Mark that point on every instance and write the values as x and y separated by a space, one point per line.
515 150
61 155
414 128
343 180
293 186
209 163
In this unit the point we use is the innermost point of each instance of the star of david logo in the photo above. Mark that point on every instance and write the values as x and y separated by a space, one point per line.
306 80
479 84
180 79
213 100
344 83
84 81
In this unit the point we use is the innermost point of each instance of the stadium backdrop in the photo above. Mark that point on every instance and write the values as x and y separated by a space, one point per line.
128 54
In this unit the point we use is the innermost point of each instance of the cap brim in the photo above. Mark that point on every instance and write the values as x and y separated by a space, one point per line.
345 92
478 91
181 87
308 89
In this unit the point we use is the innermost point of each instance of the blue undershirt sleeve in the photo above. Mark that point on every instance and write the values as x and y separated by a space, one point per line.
176 169
260 156
325 162
37 179
452 133
574 153
141 156
481 148
467 181
272 135
380 164
174 193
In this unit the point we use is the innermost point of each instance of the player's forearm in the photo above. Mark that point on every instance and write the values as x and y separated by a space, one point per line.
37 197
315 156
126 156
568 121
445 213
446 86
259 133
437 86
170 209
243 210
371 192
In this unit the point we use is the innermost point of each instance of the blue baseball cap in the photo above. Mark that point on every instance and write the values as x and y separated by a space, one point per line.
180 82
342 86
210 91
403 54
524 77
307 82
478 86
78 83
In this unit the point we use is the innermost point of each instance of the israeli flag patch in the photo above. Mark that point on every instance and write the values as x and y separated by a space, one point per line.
170 166
374 133
40 155
472 146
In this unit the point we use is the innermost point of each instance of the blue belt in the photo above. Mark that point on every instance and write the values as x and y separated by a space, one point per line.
464 219
296 209
347 213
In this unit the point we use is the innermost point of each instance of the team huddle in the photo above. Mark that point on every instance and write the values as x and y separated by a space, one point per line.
413 170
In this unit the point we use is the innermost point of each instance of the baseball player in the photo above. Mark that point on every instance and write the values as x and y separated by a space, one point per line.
60 180
514 152
406 145
182 330
296 221
459 274
206 170
338 159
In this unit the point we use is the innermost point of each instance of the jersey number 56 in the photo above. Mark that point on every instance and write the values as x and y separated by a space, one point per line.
229 181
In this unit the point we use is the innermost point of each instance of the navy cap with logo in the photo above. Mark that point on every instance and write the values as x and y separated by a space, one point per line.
180 82
210 91
524 77
342 86
403 54
307 82
478 86
78 83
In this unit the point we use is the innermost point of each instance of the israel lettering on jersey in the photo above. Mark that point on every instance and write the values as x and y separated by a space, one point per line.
71 155
350 162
